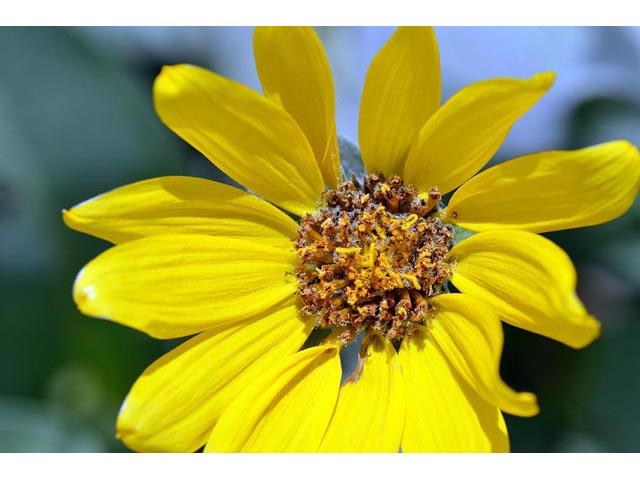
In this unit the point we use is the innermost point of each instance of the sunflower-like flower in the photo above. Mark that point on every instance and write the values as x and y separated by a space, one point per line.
274 285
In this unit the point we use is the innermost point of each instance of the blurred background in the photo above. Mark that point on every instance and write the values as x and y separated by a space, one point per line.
76 119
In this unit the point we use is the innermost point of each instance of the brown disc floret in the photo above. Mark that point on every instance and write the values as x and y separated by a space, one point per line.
371 257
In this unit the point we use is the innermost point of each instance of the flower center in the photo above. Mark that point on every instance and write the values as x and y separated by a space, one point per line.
372 257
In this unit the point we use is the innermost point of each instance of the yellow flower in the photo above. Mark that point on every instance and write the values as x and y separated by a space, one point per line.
373 255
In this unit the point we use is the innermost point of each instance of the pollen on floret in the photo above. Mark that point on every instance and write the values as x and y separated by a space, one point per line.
371 257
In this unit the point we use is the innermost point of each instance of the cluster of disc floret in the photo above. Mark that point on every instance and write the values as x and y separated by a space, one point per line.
371 257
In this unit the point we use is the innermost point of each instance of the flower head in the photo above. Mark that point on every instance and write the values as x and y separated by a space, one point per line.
274 297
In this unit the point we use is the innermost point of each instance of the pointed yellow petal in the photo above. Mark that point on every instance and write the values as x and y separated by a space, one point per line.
285 410
250 138
551 191
529 280
444 414
177 205
174 285
401 91
294 72
369 415
174 404
469 333
461 137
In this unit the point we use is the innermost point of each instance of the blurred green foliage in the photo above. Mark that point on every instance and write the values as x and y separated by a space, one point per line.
77 120
72 124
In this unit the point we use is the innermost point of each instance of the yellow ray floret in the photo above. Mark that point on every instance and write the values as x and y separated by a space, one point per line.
444 413
369 415
469 333
247 136
295 73
551 191
174 404
529 280
175 205
175 285
401 91
287 409
461 137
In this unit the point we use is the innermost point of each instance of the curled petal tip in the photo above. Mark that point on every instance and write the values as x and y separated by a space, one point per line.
589 329
546 79
168 80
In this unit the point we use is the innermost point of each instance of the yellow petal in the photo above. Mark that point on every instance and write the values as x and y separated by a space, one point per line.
174 285
551 191
174 404
285 410
401 91
469 333
529 280
444 414
461 137
247 136
177 205
294 72
369 415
